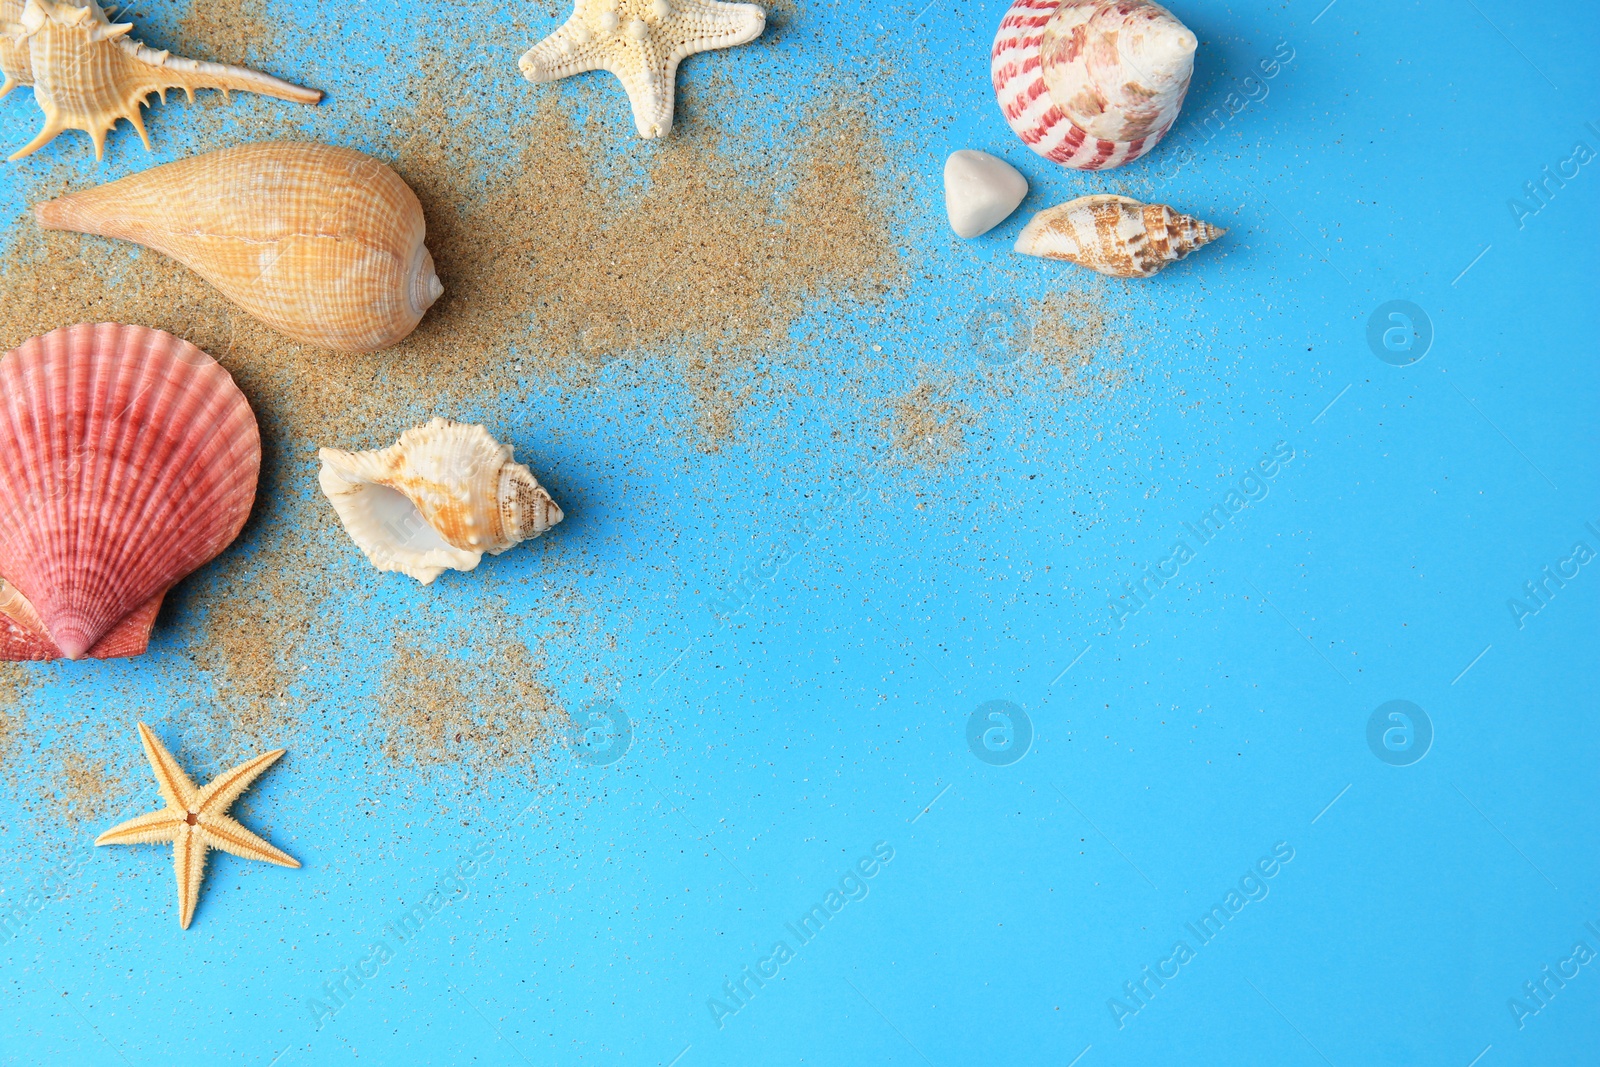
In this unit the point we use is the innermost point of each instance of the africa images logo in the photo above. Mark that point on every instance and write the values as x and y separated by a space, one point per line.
999 733
1399 333
737 992
1399 733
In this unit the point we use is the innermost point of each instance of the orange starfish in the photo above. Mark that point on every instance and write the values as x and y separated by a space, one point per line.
195 820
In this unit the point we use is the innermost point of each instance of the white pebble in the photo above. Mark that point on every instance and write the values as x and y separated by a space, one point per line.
980 190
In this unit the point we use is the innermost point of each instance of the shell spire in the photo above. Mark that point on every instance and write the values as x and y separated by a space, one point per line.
1115 235
87 72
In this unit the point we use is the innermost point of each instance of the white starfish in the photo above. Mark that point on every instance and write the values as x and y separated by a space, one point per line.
641 42
195 820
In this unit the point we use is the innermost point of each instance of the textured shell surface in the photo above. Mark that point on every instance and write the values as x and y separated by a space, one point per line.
128 458
324 244
1115 235
437 499
87 73
1091 84
641 42
16 63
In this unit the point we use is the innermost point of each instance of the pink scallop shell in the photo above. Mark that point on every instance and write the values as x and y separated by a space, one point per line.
1019 86
128 458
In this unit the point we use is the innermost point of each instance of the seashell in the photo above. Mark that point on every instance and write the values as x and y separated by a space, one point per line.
16 61
439 498
23 635
322 243
980 191
128 458
87 73
1091 84
1114 235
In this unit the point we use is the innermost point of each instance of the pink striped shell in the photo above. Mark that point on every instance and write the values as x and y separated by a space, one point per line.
128 458
1091 84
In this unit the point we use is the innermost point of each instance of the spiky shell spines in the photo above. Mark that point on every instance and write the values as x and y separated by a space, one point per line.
87 73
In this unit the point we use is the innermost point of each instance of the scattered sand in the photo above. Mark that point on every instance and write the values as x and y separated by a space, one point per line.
926 428
222 31
491 713
707 262
695 262
85 792
1067 332
15 683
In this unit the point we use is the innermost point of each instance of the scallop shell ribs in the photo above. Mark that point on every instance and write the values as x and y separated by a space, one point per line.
87 73
438 499
325 244
128 458
1115 235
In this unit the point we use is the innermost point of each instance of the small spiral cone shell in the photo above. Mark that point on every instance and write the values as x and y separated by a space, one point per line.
437 499
324 244
1114 235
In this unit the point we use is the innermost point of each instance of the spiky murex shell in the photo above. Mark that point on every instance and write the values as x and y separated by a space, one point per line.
87 73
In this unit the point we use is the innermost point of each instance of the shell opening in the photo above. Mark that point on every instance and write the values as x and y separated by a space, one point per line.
422 284
402 524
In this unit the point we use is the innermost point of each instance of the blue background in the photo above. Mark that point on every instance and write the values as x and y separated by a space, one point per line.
1227 716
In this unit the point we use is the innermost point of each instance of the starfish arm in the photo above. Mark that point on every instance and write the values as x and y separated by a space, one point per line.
230 836
162 825
225 788
177 789
710 24
189 862
572 49
694 26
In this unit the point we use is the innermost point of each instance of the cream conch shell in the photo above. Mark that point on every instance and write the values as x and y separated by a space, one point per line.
1091 84
87 73
439 498
1115 235
322 243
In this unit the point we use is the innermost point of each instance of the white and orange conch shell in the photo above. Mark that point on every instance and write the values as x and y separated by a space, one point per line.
437 499
86 72
1114 235
1091 84
128 458
325 244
